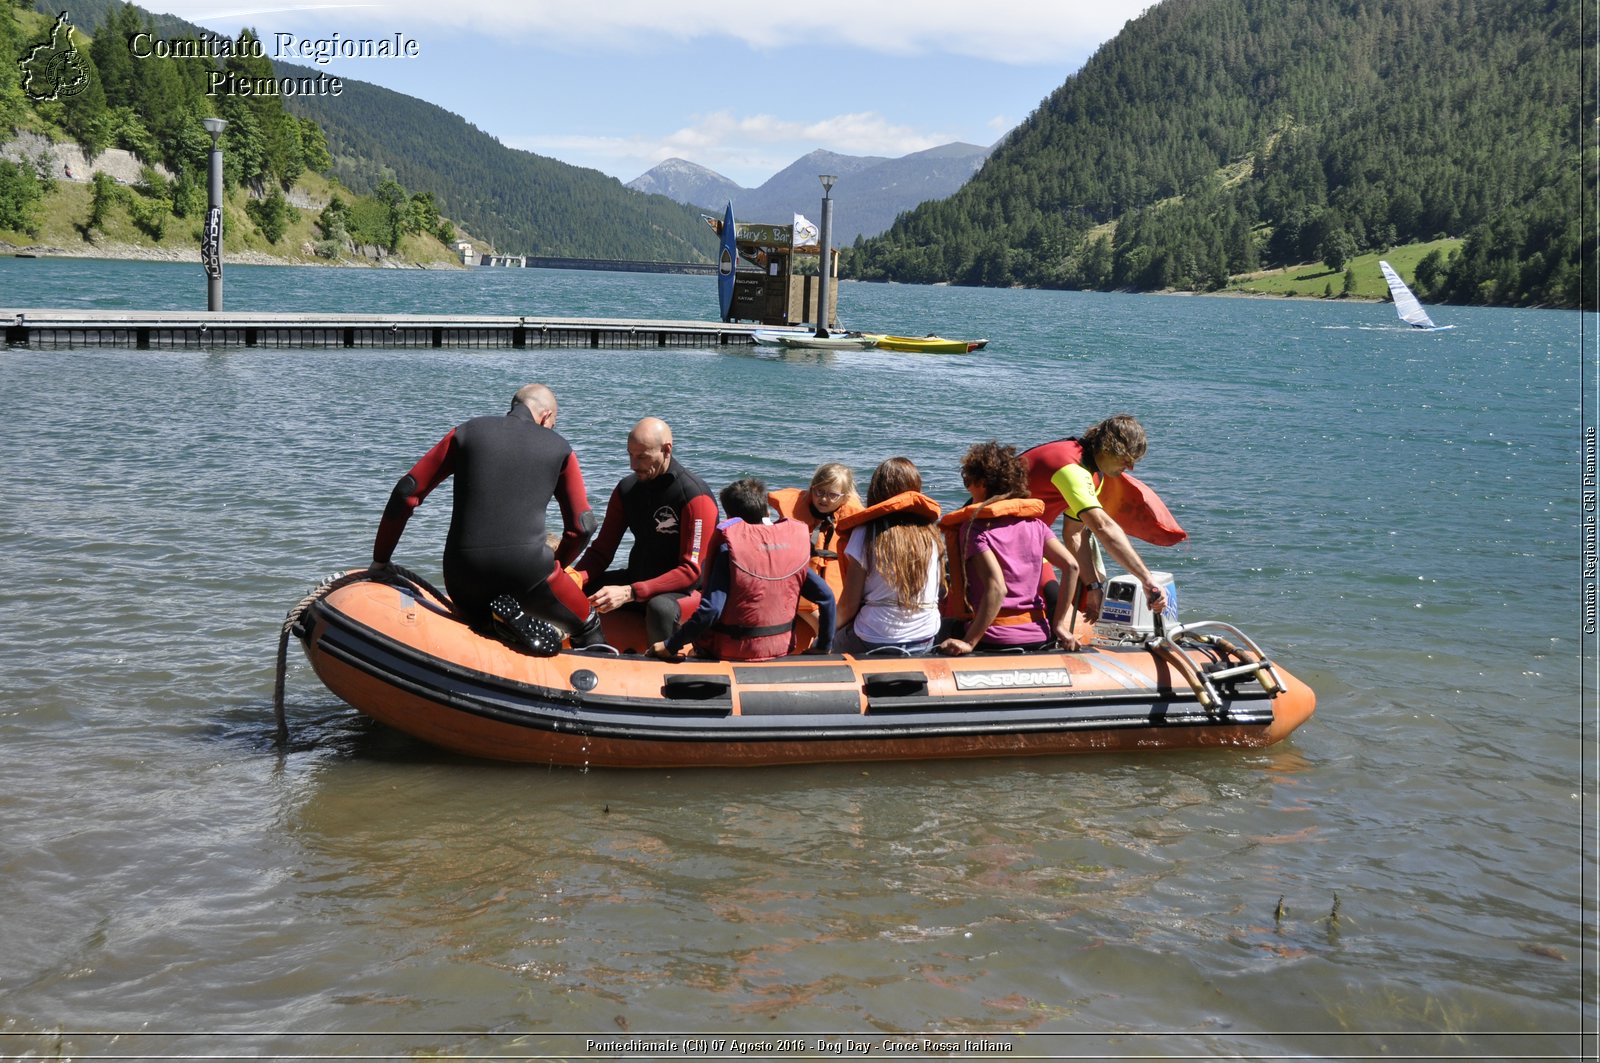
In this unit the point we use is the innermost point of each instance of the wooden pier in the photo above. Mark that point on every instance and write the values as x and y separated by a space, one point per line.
162 330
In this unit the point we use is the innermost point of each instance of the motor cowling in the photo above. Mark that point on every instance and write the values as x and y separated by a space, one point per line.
1125 615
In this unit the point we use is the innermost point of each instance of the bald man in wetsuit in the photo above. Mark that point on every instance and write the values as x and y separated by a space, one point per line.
671 513
506 469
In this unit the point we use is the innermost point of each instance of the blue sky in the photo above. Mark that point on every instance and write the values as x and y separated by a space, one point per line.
620 85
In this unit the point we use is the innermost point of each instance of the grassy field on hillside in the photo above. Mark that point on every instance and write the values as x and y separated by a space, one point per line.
1314 279
65 211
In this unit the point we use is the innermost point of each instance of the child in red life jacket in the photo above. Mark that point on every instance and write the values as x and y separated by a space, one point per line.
757 575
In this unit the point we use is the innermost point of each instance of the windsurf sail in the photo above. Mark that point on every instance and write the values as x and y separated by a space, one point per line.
1405 304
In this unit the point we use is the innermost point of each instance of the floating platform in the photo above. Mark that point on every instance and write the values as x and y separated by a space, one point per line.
159 330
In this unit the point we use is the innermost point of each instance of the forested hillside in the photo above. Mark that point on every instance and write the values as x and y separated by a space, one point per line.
521 202
148 108
152 107
1215 137
408 160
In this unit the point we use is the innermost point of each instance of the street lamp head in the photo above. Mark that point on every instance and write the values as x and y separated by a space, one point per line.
214 126
827 180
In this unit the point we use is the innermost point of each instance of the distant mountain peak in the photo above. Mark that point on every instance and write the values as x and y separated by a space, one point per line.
872 189
686 182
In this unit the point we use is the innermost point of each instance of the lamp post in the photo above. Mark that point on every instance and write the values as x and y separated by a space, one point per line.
211 237
826 270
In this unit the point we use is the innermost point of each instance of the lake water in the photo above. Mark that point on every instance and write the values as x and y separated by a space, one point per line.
1395 515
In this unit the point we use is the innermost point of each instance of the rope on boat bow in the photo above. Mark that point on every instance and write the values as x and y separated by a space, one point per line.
291 621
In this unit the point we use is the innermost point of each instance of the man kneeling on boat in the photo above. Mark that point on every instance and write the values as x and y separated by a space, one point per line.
506 469
757 576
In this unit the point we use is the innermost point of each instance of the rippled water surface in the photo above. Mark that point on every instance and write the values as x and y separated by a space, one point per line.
1395 515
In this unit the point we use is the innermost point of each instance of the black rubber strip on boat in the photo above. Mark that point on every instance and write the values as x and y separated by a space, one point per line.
773 674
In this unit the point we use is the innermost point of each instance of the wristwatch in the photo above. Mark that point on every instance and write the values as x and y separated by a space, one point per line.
1096 585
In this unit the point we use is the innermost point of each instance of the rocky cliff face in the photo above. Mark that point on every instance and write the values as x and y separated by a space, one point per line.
67 162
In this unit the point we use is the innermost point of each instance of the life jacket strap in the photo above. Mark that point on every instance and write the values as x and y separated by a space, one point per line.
745 631
1015 617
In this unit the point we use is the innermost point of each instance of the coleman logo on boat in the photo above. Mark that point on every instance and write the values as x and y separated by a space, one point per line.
1044 677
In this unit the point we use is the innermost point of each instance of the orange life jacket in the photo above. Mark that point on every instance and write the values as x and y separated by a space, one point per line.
827 539
917 507
956 601
767 567
912 507
1137 510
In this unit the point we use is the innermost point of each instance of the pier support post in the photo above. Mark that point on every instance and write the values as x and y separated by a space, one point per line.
824 267
211 241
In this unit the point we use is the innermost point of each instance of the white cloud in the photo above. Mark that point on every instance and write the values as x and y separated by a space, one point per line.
850 133
1008 31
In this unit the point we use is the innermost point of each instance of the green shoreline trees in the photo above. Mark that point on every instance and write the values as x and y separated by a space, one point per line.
152 106
1209 139
1215 137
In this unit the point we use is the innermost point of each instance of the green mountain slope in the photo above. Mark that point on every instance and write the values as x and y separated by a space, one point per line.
1225 135
521 202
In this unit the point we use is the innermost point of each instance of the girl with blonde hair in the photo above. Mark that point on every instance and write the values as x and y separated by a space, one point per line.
830 497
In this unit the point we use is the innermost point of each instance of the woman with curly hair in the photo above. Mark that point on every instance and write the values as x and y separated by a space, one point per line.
999 545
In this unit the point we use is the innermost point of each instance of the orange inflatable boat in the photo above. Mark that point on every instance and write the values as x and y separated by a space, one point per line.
396 653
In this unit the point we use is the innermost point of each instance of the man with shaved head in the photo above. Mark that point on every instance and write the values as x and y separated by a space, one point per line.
671 512
506 469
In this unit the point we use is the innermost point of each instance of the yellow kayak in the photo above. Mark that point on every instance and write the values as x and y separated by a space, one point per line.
929 344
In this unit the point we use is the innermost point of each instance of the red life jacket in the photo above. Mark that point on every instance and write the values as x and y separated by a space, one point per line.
827 540
1137 510
767 567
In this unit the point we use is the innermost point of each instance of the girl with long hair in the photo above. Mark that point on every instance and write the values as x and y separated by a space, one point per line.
894 575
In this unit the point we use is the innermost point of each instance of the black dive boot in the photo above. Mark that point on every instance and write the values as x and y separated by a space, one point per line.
589 634
539 637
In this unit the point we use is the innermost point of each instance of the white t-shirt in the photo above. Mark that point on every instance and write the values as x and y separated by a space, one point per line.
881 618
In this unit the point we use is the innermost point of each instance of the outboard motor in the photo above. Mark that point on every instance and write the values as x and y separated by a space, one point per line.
1126 616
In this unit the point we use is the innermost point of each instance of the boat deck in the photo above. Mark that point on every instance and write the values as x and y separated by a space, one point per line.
160 329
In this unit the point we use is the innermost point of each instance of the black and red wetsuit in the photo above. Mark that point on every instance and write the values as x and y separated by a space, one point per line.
671 517
506 470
